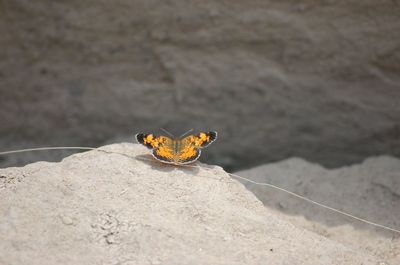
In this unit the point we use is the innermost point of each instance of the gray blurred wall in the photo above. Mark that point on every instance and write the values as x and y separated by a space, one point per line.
314 79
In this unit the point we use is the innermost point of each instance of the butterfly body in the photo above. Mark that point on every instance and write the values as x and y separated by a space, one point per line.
176 151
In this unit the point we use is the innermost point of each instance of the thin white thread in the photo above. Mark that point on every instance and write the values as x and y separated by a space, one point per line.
317 203
231 174
47 148
305 199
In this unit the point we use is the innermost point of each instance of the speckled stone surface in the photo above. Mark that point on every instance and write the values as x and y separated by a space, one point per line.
114 206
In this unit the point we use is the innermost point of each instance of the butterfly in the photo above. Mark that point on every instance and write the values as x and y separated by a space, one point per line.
177 151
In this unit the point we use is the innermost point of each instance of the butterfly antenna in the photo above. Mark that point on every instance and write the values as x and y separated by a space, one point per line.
167 132
186 133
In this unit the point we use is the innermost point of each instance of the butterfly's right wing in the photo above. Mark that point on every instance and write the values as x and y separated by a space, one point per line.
191 145
201 140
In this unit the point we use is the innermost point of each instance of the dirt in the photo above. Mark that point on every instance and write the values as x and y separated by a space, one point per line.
370 190
118 206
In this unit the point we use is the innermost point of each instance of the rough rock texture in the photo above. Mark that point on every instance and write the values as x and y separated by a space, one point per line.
313 79
370 190
114 207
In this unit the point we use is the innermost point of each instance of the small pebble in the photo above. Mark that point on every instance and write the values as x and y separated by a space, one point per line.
67 220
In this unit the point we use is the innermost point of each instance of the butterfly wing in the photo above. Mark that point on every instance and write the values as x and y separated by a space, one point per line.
147 140
191 145
188 151
200 140
184 151
162 146
164 150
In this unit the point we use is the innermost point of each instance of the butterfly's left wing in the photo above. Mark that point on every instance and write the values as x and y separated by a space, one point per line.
162 146
149 140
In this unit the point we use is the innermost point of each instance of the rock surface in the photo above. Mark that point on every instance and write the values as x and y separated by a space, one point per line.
116 207
313 79
370 190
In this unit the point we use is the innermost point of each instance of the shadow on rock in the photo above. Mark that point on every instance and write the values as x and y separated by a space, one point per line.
157 165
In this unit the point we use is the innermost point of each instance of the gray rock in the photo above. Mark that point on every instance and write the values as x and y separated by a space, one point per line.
118 206
370 190
313 79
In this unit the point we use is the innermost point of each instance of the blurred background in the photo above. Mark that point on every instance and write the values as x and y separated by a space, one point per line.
318 80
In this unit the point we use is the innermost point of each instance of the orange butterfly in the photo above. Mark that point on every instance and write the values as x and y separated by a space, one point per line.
177 151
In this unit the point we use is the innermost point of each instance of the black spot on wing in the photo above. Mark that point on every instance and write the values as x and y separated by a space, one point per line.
213 137
140 139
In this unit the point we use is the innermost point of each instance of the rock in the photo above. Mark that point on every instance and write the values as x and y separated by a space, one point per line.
115 205
370 190
275 78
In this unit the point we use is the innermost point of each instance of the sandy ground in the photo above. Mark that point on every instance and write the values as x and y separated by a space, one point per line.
370 190
115 208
